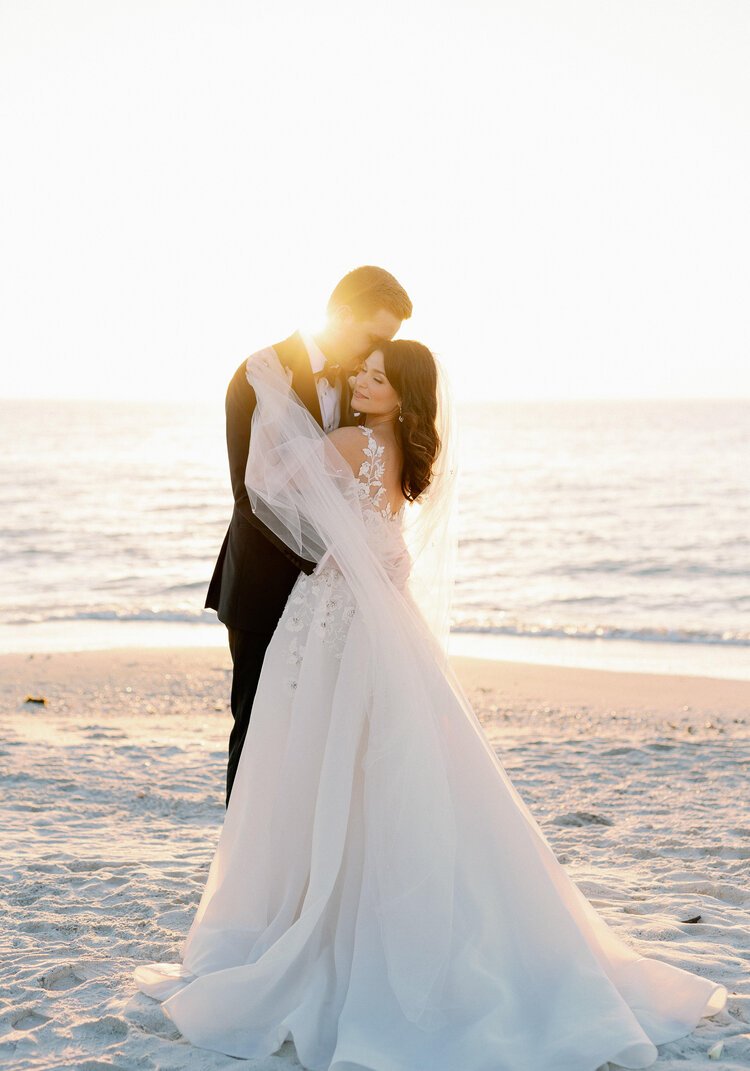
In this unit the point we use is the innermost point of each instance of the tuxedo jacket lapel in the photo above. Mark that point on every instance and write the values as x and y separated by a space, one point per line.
292 354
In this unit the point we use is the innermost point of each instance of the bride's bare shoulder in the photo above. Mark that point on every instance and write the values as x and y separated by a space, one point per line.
350 443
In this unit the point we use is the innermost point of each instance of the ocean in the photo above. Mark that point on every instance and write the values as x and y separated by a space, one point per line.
609 534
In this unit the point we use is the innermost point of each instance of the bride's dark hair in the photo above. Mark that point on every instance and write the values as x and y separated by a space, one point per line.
410 369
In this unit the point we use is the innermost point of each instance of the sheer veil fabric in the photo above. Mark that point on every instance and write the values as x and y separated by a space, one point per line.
380 892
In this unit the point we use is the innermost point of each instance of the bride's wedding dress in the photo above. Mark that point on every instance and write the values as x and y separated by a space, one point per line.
380 893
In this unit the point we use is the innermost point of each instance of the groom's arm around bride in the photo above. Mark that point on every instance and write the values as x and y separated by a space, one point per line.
255 569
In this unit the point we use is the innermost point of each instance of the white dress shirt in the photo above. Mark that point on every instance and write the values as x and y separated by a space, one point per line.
329 395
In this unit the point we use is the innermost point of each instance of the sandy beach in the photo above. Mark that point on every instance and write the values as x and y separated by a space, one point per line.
113 799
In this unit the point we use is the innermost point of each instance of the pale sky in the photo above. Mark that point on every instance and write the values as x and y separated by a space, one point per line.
562 187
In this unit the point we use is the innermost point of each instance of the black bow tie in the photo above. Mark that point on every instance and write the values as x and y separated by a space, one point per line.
330 371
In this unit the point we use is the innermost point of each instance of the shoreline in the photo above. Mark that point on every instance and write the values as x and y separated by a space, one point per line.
524 683
664 658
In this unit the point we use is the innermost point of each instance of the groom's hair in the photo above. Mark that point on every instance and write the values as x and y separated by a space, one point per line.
365 290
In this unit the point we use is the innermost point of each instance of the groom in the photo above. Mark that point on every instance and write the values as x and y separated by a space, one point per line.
255 570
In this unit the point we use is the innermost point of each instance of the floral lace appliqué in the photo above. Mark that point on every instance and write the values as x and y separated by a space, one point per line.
319 604
371 476
322 603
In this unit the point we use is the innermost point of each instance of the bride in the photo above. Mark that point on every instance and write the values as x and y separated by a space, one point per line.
380 892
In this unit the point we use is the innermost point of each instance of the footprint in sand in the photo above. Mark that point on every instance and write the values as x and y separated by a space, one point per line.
62 977
115 879
28 1018
581 818
108 1028
100 1065
78 866
148 1016
736 895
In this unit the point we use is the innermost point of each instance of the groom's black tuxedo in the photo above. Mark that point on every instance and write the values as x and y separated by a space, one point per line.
255 570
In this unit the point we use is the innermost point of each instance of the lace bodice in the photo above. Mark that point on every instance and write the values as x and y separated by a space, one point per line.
370 478
384 528
321 605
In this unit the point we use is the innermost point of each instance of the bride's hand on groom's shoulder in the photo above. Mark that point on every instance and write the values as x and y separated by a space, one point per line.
265 365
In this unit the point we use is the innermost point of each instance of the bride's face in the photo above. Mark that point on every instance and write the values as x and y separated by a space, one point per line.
372 391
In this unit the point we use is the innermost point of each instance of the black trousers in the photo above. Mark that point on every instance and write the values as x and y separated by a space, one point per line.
248 650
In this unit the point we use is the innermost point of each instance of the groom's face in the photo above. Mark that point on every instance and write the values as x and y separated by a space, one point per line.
357 338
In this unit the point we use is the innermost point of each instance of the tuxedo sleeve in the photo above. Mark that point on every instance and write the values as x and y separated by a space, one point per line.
240 404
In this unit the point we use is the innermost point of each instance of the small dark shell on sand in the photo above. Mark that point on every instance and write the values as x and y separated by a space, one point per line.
42 699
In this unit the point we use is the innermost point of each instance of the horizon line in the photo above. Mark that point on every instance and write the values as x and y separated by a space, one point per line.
171 399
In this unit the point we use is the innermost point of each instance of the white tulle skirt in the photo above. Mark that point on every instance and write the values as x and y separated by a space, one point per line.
382 895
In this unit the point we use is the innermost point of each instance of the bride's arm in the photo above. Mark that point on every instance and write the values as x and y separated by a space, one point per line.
350 444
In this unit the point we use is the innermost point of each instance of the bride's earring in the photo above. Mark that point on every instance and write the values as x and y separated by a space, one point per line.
400 417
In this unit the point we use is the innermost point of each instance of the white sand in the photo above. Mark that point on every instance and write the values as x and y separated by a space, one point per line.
113 798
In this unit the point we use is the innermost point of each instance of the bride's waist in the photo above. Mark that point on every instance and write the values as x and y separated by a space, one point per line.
397 567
